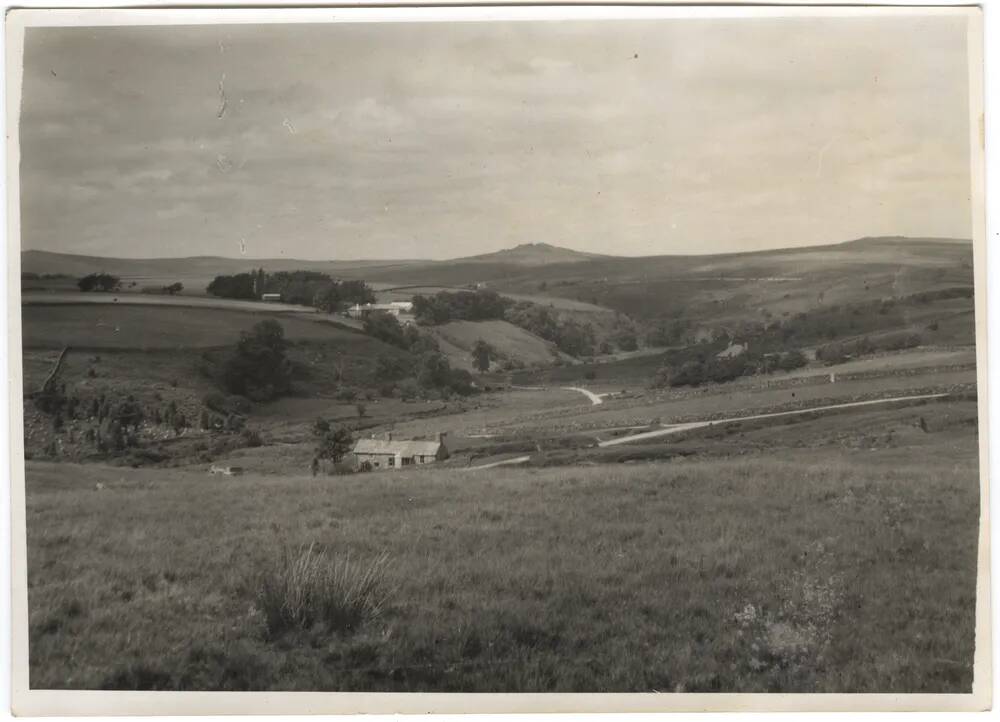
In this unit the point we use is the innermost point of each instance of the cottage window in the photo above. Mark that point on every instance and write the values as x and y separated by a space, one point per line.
392 461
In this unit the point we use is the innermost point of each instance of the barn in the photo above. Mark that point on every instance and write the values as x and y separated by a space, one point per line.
396 453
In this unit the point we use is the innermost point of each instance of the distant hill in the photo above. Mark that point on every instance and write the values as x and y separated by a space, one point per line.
565 272
192 266
532 254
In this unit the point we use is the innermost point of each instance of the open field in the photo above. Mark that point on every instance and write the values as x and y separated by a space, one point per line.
824 572
458 338
156 326
144 299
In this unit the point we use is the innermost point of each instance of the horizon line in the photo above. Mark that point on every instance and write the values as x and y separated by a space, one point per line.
595 256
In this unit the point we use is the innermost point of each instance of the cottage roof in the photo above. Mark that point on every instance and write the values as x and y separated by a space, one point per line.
403 447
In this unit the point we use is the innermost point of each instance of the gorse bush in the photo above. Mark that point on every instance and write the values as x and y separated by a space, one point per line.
306 588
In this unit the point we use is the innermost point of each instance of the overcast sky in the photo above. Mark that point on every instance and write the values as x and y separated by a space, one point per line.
439 140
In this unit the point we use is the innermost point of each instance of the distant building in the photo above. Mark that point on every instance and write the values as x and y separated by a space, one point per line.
270 297
394 454
396 308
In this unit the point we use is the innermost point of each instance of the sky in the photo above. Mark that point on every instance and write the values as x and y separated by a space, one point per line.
441 140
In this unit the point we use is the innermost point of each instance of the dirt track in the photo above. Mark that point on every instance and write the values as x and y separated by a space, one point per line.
677 428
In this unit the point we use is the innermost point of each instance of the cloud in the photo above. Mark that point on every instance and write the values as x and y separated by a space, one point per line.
445 140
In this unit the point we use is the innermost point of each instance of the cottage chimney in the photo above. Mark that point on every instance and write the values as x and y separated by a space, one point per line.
441 435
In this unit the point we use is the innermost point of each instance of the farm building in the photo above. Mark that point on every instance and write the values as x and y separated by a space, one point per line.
394 454
732 351
396 308
270 297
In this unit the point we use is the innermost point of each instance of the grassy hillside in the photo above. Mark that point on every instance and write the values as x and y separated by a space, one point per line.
166 356
458 338
823 572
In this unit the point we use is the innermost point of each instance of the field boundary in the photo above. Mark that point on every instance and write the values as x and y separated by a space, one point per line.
55 370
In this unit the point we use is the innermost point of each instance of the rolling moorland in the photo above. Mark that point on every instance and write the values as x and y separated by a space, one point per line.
747 472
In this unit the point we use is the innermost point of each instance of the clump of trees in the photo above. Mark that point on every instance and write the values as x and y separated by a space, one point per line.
258 367
32 276
445 306
569 336
697 365
240 285
99 282
840 351
305 288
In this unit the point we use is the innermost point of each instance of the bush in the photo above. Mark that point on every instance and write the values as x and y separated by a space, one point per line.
791 360
390 368
408 389
347 393
305 588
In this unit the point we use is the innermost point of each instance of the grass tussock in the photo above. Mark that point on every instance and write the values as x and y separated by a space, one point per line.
305 587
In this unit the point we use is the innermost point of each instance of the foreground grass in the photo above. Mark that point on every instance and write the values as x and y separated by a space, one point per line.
837 573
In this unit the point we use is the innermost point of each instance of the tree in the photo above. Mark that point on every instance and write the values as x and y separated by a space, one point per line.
334 444
481 354
390 368
385 327
99 282
361 408
258 367
327 298
435 371
320 427
356 292
174 288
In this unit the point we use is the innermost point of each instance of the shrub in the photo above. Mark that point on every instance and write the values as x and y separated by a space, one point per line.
408 389
347 393
305 588
791 360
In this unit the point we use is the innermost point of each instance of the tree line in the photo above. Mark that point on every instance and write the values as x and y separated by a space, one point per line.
304 288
